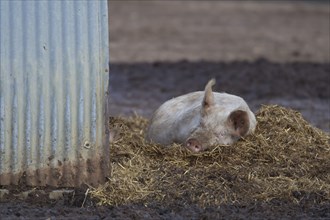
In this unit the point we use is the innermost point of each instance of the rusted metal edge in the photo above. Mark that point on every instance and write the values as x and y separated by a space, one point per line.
63 175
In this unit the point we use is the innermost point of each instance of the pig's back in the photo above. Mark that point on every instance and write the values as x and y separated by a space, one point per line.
184 104
230 102
165 126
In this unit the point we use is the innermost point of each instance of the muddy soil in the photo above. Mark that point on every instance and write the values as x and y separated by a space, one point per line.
140 88
177 211
268 53
219 30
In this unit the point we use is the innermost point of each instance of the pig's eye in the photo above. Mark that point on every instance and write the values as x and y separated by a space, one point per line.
221 134
235 137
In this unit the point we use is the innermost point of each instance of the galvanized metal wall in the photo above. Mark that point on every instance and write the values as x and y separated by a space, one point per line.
53 84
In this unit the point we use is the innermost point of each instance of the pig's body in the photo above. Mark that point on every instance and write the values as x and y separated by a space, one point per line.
201 119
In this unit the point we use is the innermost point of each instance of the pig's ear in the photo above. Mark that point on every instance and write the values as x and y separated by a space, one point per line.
239 121
208 99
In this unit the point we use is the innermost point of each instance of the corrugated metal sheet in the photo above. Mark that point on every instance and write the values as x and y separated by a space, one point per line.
53 92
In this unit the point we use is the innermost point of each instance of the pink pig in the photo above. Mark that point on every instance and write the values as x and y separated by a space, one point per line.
201 119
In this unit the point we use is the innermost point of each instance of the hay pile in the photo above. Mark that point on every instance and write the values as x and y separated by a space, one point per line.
286 160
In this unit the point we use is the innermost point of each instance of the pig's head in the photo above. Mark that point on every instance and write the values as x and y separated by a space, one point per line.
217 127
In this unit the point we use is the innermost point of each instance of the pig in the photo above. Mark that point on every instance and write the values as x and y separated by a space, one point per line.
202 119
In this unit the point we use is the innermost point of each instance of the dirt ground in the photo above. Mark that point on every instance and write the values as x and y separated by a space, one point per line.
268 53
141 87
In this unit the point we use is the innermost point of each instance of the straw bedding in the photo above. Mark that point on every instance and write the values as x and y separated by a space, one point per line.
286 160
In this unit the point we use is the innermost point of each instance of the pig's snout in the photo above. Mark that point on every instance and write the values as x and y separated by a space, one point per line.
194 145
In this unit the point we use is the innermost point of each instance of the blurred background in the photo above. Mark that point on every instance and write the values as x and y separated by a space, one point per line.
268 52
